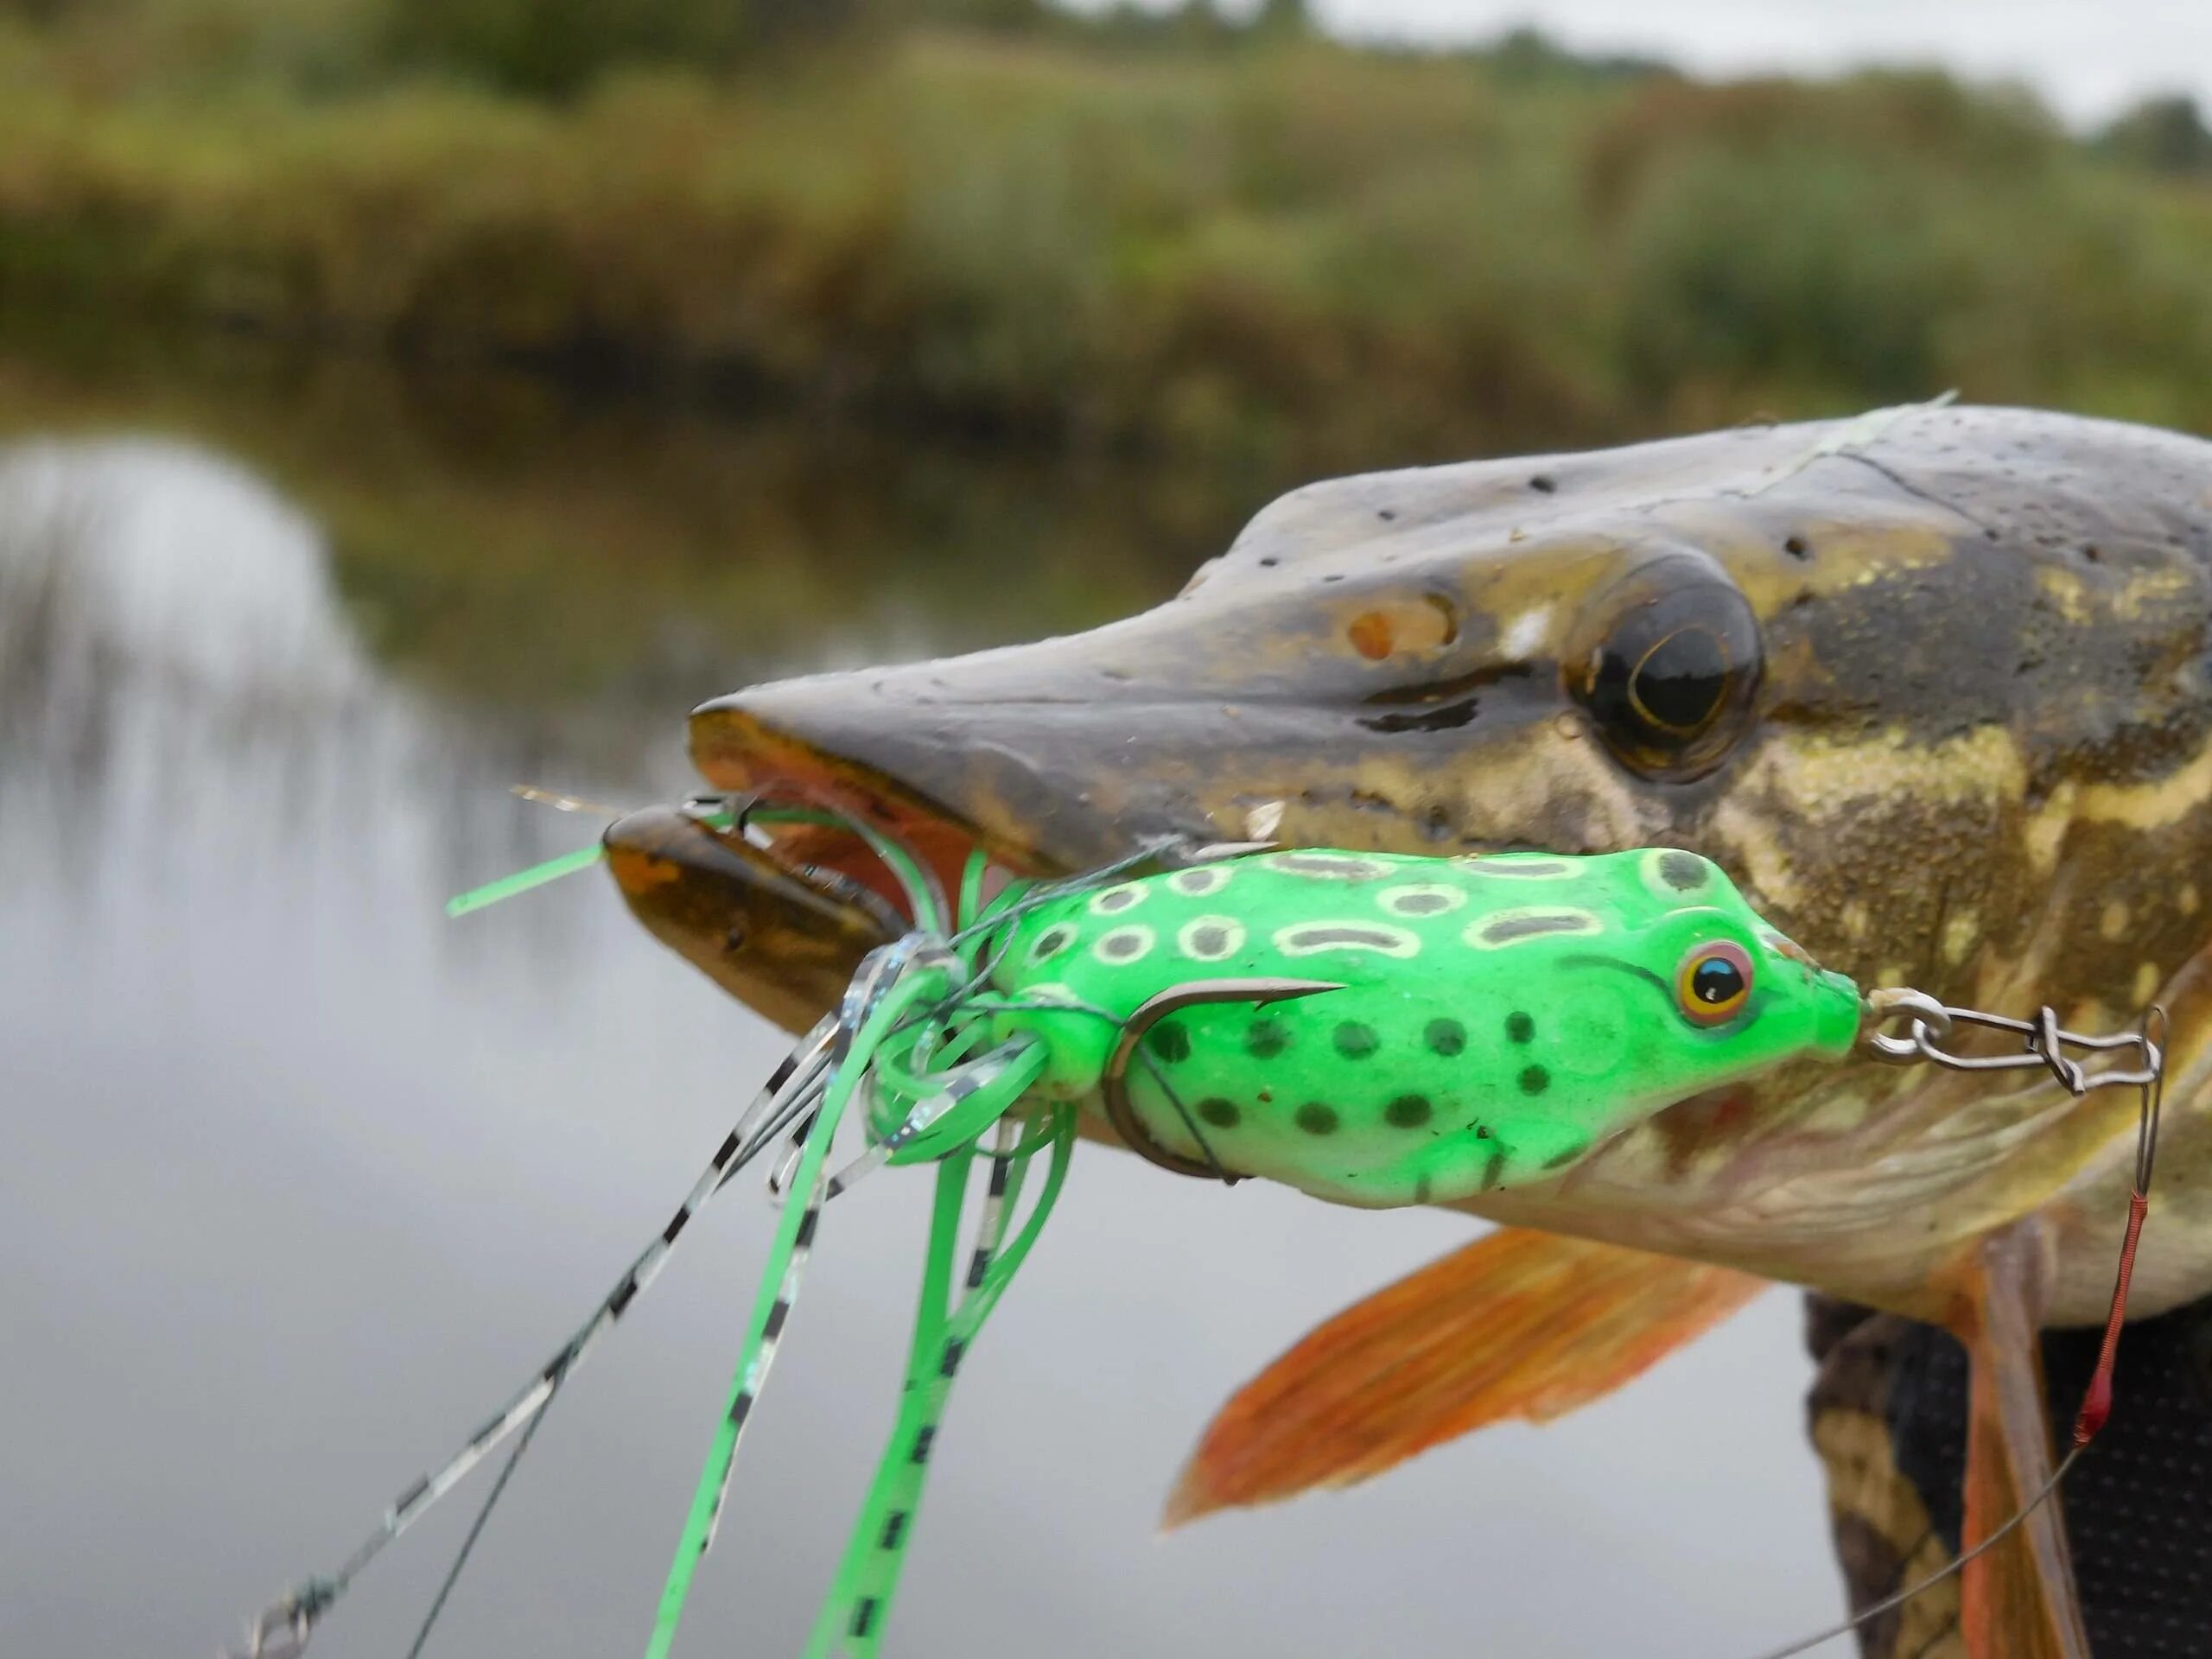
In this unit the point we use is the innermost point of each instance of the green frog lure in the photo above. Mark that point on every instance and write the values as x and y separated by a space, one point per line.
1383 1030
1372 1029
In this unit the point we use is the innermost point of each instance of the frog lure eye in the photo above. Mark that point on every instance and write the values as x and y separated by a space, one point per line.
1373 1029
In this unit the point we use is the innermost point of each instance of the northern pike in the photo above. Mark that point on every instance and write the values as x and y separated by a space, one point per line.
1931 686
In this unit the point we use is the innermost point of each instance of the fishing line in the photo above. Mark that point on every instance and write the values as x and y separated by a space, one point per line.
1190 1123
1050 892
1854 435
924 892
476 1527
299 1611
2096 1398
1805 1644
995 921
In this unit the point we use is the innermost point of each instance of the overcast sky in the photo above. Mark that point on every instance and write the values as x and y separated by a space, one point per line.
2087 60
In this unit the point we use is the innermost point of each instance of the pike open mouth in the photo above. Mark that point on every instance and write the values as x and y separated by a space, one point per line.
992 753
779 909
762 770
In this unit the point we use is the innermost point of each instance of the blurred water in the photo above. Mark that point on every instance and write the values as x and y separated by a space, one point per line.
297 1179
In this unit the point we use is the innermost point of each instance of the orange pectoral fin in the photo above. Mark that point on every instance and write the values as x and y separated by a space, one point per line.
1518 1324
2017 1600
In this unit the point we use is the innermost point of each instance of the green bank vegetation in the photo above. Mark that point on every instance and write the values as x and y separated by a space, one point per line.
1150 233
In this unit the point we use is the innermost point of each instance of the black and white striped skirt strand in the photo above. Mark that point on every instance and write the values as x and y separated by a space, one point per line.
771 1338
800 1074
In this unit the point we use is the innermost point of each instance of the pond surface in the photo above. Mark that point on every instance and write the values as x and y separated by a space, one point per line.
299 1179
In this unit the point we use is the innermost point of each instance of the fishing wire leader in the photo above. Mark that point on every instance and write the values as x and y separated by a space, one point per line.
2041 1035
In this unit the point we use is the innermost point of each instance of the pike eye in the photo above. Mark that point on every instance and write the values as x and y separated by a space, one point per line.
1713 983
1678 686
1670 677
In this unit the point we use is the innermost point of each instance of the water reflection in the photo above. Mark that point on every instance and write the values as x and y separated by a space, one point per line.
298 1177
497 541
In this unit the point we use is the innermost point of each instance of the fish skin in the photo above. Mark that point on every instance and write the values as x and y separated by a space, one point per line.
1975 756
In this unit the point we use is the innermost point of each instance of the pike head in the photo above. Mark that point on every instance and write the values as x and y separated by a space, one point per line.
1931 685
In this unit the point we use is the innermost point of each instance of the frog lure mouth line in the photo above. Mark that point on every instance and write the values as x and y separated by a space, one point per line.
1373 1029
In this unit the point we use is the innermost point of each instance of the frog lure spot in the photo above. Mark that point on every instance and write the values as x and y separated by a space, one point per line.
1372 1029
1467 1024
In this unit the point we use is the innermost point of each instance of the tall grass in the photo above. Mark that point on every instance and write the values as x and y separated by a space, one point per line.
1292 249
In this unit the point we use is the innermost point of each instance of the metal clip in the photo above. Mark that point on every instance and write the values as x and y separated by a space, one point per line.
2043 1042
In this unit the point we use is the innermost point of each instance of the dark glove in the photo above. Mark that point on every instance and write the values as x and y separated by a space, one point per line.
1888 1415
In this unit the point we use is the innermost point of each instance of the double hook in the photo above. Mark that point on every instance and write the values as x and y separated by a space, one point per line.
1114 1084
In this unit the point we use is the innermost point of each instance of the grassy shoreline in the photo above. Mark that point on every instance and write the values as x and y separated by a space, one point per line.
1297 254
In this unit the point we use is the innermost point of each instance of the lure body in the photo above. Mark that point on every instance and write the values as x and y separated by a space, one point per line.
1495 1017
